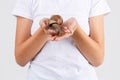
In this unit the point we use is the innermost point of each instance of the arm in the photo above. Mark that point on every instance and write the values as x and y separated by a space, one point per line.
92 47
27 46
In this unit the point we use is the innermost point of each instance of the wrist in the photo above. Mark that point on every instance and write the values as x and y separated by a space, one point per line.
44 35
76 30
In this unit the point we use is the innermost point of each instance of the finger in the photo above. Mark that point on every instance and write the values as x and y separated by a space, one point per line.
44 20
62 37
66 29
52 32
58 38
70 29
52 38
43 25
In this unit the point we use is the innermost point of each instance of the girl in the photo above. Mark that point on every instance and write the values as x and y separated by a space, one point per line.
71 56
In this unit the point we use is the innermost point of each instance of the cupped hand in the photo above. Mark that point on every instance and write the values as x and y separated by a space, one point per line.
69 28
44 25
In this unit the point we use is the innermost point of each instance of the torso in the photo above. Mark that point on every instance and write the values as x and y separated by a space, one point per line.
61 60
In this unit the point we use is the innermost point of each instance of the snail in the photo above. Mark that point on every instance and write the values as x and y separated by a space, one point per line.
55 23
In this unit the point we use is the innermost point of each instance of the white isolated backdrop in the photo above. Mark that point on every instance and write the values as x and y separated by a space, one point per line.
9 70
110 70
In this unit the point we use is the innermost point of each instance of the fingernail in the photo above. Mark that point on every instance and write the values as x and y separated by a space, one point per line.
68 30
65 27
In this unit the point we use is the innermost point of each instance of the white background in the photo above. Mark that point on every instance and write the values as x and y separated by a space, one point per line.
9 70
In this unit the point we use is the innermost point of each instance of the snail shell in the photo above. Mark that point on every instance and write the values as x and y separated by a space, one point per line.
55 23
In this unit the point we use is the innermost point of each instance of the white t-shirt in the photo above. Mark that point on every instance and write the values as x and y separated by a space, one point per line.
60 60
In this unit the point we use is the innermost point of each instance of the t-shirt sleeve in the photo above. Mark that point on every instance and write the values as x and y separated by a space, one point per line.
99 7
23 8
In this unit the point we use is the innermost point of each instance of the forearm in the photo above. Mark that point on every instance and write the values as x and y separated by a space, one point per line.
90 49
27 50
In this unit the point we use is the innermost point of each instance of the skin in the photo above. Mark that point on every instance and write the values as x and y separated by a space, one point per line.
91 47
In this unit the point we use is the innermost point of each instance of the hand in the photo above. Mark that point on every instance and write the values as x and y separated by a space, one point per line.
44 25
69 28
